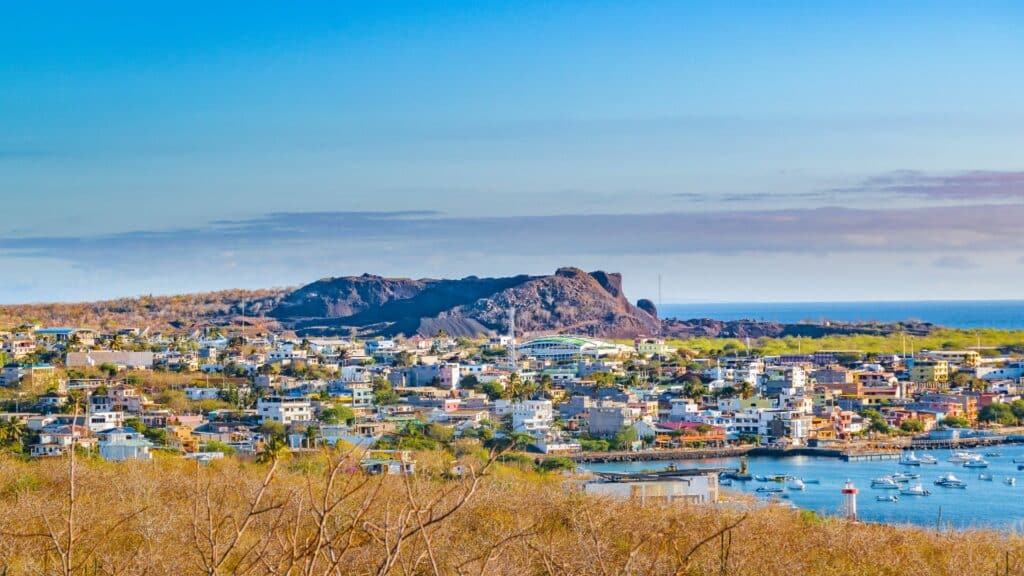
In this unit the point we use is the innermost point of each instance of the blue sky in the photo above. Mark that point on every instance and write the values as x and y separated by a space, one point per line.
744 151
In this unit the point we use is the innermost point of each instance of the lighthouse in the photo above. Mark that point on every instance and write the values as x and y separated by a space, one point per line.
850 500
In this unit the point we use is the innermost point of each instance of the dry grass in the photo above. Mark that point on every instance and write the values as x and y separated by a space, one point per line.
315 516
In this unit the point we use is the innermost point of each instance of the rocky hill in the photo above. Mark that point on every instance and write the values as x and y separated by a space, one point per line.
570 300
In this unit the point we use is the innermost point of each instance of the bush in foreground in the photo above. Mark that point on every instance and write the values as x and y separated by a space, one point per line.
315 515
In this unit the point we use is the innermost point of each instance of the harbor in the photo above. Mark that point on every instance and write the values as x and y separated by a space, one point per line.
936 489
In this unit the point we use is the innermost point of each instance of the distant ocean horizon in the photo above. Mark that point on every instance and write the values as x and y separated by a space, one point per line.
1001 314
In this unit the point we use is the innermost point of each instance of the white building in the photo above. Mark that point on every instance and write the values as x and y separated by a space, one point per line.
121 444
568 348
696 488
100 421
284 410
199 393
532 416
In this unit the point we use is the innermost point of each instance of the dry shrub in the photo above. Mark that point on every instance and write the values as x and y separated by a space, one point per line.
317 515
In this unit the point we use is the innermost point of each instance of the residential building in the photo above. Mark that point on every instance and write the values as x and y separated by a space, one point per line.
121 444
284 410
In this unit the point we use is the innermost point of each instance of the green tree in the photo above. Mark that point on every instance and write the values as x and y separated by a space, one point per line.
272 430
998 414
623 439
557 463
383 393
877 422
337 414
955 422
912 425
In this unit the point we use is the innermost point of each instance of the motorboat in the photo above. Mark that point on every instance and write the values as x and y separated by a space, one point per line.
993 454
976 464
910 459
760 478
985 477
905 476
961 457
796 484
769 490
950 481
1010 481
915 490
885 483
811 481
928 459
888 498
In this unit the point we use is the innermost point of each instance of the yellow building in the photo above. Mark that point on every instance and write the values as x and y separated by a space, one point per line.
929 371
181 438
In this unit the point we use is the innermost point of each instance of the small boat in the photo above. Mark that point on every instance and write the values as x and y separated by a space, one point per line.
985 477
760 478
905 476
779 478
1020 466
993 454
725 482
950 481
928 459
910 459
888 498
1010 481
812 481
976 464
1018 460
796 484
885 483
769 490
915 490
961 457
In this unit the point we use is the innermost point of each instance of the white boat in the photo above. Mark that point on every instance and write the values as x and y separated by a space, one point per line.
796 484
915 490
905 476
888 498
976 464
985 477
928 459
950 481
760 478
910 459
885 483
1010 481
961 457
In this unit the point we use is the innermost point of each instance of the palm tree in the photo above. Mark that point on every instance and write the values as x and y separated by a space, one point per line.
12 431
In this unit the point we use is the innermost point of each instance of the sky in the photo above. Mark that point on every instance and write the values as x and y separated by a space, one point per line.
743 151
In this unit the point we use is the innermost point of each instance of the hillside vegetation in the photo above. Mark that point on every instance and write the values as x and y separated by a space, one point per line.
179 312
313 515
993 342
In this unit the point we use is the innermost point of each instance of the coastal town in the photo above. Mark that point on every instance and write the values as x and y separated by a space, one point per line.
131 394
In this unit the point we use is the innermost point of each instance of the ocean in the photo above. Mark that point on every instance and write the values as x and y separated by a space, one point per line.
1002 314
